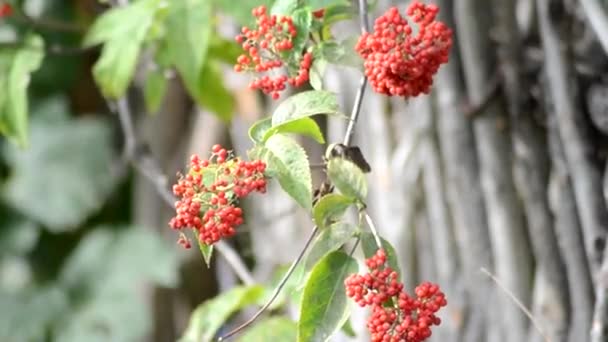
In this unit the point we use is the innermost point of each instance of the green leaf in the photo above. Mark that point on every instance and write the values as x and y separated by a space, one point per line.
206 251
306 104
348 178
316 73
213 95
330 239
28 316
334 14
348 330
258 130
224 50
324 304
106 273
154 90
18 235
189 25
15 69
284 7
330 208
302 20
65 175
209 316
122 30
368 243
304 126
275 329
287 161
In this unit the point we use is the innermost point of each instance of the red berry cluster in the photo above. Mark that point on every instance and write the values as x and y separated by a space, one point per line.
395 315
269 47
5 10
399 62
208 194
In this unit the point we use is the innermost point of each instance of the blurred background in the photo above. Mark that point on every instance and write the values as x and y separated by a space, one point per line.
493 185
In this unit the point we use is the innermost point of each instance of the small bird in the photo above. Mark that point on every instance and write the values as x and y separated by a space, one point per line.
350 153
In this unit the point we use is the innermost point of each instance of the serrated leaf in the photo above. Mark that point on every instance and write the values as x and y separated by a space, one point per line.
369 246
122 30
206 251
154 90
275 329
189 27
287 161
304 126
324 306
213 95
64 176
348 178
258 130
15 69
330 239
209 316
305 104
330 208
302 20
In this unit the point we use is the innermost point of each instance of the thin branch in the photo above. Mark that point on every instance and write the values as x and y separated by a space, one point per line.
147 165
354 115
277 290
372 228
517 302
596 13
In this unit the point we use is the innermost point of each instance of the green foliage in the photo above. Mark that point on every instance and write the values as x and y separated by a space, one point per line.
97 294
369 246
288 162
258 130
154 90
324 306
275 329
206 251
330 239
302 20
318 4
284 7
64 176
330 208
304 126
122 31
213 95
16 65
209 316
305 104
348 178
241 10
317 70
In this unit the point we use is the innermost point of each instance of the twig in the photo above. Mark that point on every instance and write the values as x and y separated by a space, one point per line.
372 228
354 115
277 290
596 13
347 138
147 165
517 302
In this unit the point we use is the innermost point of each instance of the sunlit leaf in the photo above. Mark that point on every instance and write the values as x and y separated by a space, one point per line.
305 104
154 90
275 329
370 247
258 130
288 162
16 65
348 178
330 207
304 126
